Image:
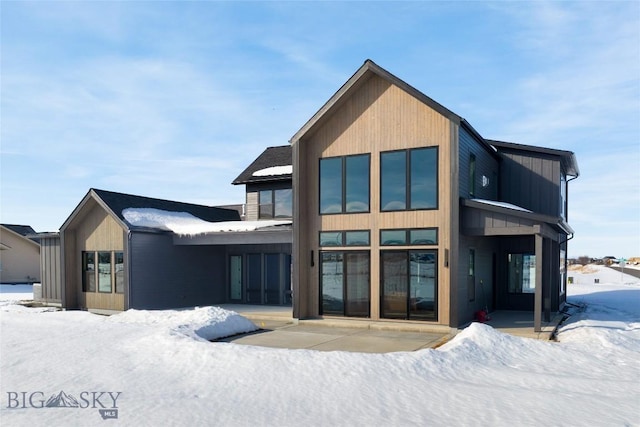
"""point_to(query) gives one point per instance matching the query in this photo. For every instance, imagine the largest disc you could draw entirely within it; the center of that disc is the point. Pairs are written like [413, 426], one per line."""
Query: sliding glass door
[344, 282]
[409, 284]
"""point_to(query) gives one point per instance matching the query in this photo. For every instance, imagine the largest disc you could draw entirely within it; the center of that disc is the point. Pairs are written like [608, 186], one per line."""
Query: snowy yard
[157, 368]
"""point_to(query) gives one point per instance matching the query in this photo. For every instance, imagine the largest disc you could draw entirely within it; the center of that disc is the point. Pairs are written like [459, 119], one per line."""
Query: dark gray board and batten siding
[487, 165]
[531, 181]
[189, 275]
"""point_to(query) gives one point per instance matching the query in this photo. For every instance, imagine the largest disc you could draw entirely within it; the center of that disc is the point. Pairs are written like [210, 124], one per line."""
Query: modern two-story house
[386, 205]
[402, 210]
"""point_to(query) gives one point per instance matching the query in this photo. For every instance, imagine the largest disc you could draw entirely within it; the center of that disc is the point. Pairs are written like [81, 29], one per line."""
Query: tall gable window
[409, 179]
[344, 184]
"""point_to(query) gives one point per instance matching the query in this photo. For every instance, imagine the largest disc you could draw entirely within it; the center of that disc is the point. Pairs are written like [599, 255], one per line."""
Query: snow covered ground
[157, 368]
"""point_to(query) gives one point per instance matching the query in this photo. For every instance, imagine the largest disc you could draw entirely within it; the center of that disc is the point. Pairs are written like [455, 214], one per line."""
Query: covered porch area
[529, 287]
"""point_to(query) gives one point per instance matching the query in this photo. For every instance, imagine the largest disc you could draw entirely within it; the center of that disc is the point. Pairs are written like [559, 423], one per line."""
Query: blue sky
[174, 99]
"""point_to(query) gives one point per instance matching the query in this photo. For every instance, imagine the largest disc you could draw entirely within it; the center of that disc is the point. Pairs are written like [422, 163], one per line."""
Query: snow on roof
[185, 224]
[501, 204]
[274, 170]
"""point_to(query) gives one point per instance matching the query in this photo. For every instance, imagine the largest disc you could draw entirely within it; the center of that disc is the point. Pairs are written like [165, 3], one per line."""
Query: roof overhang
[488, 218]
[272, 235]
[567, 158]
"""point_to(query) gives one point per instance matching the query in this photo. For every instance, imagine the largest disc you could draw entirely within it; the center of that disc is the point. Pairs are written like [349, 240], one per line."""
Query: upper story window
[472, 175]
[409, 179]
[275, 203]
[344, 184]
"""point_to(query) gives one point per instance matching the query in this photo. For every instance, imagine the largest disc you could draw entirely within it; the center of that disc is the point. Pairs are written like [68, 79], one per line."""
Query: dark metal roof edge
[267, 178]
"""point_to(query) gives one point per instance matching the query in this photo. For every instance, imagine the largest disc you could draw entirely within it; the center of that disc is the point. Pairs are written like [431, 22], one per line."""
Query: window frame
[344, 184]
[343, 240]
[344, 254]
[95, 273]
[519, 289]
[408, 178]
[407, 258]
[270, 209]
[407, 239]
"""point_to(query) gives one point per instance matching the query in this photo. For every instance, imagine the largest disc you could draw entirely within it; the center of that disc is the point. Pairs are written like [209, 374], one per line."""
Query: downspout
[566, 215]
[129, 270]
[566, 202]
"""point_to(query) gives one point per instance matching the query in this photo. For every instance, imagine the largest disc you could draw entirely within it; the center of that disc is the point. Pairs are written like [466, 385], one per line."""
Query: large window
[275, 203]
[409, 179]
[344, 282]
[344, 184]
[522, 273]
[409, 285]
[103, 271]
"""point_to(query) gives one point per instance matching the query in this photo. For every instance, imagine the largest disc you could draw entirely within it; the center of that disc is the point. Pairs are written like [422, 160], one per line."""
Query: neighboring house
[19, 254]
[121, 251]
[402, 210]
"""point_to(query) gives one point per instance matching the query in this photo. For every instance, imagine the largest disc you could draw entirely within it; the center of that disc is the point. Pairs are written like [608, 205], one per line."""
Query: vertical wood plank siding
[92, 230]
[377, 117]
[252, 206]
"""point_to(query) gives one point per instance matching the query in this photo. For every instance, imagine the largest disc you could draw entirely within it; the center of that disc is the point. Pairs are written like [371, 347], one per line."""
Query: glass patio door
[409, 285]
[345, 278]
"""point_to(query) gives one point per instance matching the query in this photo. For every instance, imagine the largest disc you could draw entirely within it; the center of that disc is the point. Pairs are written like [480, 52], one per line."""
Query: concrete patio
[278, 329]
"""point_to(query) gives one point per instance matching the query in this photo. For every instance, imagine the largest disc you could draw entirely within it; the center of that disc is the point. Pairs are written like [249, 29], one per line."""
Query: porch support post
[537, 307]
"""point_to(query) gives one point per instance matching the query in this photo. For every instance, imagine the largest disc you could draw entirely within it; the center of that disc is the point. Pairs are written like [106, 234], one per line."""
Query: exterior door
[409, 285]
[344, 279]
[260, 278]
